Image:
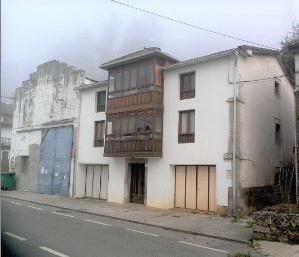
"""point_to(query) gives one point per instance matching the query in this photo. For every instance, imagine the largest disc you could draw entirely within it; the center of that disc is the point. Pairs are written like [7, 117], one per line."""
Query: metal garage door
[55, 161]
[96, 181]
[195, 187]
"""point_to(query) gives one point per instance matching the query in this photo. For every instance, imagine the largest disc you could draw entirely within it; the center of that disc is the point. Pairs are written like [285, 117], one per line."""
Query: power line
[262, 79]
[191, 25]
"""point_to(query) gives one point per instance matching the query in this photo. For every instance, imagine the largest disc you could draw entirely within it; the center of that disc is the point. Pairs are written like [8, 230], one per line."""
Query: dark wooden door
[137, 183]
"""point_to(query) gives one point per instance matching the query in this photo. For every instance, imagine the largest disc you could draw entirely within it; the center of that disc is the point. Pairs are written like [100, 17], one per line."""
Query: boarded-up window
[186, 126]
[187, 86]
[101, 101]
[99, 133]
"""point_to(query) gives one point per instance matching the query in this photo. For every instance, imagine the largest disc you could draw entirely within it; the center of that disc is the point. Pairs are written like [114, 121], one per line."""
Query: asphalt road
[37, 230]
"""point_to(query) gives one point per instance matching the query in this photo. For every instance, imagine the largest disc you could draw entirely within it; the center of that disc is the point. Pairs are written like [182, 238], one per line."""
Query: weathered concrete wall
[45, 100]
[27, 179]
[260, 153]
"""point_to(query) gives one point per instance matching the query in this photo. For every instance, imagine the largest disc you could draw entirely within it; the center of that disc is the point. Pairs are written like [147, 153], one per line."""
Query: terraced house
[195, 134]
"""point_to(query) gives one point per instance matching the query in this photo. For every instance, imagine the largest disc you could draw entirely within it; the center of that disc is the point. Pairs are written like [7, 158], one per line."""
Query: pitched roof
[213, 56]
[138, 55]
[92, 85]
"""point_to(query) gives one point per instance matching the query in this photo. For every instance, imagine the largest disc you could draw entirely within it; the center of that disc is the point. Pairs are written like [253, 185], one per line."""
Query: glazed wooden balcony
[141, 99]
[141, 146]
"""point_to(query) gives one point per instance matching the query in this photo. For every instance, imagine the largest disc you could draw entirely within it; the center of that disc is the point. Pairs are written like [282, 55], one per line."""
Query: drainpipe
[234, 179]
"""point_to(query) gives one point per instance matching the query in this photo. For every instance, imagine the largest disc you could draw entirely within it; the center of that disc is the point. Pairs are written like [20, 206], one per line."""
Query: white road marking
[15, 236]
[49, 250]
[18, 203]
[67, 215]
[97, 222]
[33, 207]
[204, 247]
[141, 232]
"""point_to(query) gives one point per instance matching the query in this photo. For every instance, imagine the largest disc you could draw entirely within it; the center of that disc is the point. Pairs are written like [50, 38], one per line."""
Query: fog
[86, 33]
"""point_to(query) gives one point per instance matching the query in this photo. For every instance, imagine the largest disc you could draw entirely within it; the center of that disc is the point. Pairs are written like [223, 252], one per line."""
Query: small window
[277, 88]
[186, 126]
[277, 131]
[187, 86]
[99, 133]
[101, 101]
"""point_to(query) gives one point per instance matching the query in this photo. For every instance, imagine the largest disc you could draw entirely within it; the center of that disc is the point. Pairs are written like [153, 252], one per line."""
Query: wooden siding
[133, 147]
[195, 187]
[128, 103]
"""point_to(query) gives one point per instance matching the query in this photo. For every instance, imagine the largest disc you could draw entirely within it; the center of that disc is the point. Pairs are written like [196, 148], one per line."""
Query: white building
[170, 128]
[45, 121]
[6, 114]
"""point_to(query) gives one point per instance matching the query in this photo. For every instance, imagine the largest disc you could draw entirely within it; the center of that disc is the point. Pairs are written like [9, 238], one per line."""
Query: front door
[137, 183]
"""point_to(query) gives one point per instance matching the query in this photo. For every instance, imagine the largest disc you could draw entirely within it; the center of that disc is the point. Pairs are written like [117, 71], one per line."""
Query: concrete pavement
[185, 221]
[38, 230]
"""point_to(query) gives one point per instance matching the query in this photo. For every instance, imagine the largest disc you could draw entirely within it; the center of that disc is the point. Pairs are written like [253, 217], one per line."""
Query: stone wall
[273, 226]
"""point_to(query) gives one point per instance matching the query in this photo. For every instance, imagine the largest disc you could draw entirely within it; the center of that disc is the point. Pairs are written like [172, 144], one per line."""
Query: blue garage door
[55, 161]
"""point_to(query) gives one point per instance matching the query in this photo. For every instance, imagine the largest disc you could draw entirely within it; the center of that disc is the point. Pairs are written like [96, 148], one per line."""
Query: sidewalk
[180, 220]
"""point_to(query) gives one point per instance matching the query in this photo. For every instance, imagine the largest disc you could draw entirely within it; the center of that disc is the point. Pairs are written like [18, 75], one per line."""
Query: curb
[135, 221]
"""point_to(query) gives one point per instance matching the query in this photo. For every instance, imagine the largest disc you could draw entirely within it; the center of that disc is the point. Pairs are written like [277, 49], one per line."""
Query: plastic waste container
[8, 180]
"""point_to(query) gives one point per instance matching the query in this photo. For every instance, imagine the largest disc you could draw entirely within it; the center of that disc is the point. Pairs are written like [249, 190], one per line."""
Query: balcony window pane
[111, 82]
[150, 74]
[142, 76]
[131, 125]
[109, 128]
[124, 125]
[126, 79]
[140, 124]
[148, 123]
[158, 124]
[116, 126]
[133, 78]
[118, 78]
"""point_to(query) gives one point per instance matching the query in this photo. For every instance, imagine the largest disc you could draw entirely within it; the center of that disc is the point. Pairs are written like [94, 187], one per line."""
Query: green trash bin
[8, 180]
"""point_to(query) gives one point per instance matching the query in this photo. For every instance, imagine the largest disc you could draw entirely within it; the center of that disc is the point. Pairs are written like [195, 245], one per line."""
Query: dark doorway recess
[137, 183]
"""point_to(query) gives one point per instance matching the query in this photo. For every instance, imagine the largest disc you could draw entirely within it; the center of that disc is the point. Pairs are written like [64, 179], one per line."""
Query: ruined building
[44, 130]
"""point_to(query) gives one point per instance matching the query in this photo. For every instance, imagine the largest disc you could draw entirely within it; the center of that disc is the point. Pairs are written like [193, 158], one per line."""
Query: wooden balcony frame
[150, 97]
[135, 143]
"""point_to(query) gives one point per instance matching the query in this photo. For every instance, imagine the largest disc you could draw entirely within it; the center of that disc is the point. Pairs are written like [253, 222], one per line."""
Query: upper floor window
[277, 88]
[131, 78]
[187, 85]
[101, 101]
[99, 133]
[186, 126]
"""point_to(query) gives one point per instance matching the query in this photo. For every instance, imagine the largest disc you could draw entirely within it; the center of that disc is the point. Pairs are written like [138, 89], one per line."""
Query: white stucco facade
[258, 109]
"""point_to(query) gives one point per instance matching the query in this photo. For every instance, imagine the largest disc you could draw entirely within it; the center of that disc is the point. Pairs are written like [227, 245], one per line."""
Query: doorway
[137, 184]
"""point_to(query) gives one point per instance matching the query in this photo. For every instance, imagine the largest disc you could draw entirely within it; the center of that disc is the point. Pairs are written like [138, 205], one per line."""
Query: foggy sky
[86, 33]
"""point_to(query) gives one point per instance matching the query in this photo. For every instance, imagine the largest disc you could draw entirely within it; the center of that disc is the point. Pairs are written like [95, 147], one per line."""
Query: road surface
[38, 230]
